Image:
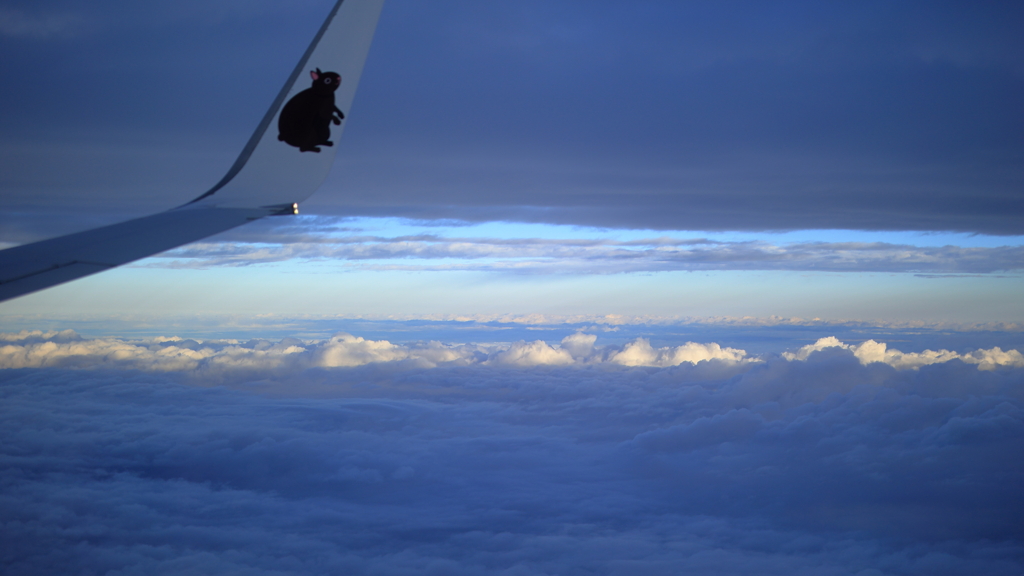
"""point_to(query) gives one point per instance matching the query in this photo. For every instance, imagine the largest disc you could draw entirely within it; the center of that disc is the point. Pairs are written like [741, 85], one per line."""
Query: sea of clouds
[66, 349]
[357, 456]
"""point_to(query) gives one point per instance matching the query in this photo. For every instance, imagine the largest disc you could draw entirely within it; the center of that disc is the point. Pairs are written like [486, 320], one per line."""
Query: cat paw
[327, 143]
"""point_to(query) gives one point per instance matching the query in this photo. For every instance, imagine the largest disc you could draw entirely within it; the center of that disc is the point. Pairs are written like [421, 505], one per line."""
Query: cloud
[598, 254]
[579, 345]
[536, 353]
[365, 461]
[66, 349]
[347, 350]
[871, 351]
[38, 336]
[640, 353]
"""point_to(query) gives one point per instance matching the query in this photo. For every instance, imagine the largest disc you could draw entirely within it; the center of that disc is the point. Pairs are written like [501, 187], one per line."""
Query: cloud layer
[524, 458]
[330, 240]
[870, 351]
[66, 349]
[35, 349]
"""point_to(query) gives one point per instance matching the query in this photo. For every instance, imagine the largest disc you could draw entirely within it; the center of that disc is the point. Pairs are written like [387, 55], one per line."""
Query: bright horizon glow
[511, 230]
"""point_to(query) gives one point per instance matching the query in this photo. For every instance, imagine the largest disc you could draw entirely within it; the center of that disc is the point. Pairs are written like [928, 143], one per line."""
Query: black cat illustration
[305, 121]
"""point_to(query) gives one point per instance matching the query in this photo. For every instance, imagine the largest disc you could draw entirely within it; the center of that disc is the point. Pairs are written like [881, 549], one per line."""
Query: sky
[593, 287]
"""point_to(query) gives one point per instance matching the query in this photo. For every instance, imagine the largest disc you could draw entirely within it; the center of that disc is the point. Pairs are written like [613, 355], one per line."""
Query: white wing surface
[284, 162]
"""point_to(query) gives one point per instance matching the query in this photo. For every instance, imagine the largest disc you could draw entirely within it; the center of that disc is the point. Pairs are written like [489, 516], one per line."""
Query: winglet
[277, 168]
[270, 170]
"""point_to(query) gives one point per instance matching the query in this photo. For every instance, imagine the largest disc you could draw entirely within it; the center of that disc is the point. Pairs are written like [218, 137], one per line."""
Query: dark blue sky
[704, 116]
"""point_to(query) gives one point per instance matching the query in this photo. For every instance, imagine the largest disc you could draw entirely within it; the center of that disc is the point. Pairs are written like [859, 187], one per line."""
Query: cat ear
[315, 75]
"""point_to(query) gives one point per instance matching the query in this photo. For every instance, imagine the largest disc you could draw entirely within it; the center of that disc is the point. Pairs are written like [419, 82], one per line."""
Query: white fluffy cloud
[66, 349]
[870, 351]
[640, 353]
[536, 353]
[579, 345]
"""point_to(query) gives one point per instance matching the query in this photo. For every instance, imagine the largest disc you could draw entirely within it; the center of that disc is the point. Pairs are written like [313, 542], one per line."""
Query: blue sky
[592, 288]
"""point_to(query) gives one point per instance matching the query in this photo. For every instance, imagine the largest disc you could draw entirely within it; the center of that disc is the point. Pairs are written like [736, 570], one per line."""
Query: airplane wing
[284, 162]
